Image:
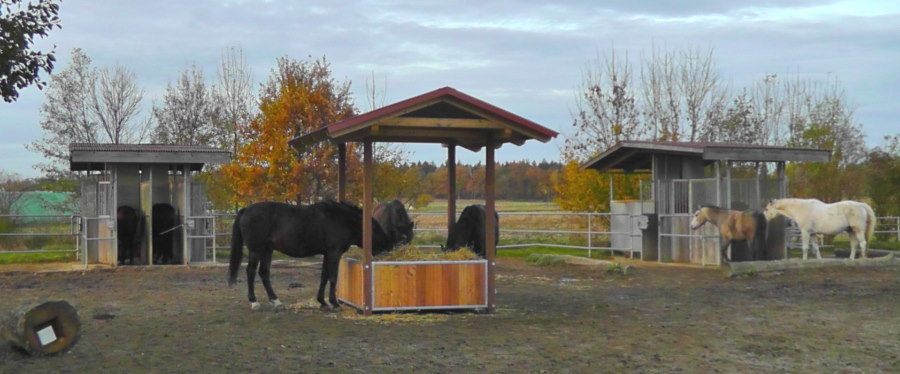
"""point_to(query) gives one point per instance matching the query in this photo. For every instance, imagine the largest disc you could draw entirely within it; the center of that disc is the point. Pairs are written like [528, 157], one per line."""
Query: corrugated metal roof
[106, 147]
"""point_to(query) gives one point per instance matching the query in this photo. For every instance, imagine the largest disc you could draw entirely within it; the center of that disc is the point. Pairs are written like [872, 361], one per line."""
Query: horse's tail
[759, 236]
[870, 222]
[237, 249]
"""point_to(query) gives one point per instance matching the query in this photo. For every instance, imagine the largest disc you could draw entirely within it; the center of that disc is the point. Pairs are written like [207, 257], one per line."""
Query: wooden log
[753, 267]
[45, 328]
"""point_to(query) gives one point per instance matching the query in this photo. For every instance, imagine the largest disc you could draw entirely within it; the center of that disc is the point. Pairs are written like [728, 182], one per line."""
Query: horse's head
[405, 233]
[771, 210]
[701, 216]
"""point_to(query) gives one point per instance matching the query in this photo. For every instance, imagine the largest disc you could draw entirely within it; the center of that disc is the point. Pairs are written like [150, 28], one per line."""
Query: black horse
[164, 223]
[129, 231]
[327, 228]
[395, 222]
[469, 230]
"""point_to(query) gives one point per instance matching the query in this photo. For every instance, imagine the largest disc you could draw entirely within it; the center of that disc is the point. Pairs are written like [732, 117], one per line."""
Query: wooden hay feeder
[443, 116]
[42, 329]
[415, 285]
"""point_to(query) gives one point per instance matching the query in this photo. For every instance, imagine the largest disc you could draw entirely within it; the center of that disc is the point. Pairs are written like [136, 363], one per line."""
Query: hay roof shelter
[686, 175]
[141, 176]
[443, 116]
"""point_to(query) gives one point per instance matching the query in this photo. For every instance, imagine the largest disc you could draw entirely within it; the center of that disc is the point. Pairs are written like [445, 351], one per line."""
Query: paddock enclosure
[687, 175]
[142, 176]
[661, 318]
[444, 116]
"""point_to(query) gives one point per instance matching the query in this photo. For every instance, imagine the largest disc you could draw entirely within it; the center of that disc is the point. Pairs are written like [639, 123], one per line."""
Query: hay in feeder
[410, 252]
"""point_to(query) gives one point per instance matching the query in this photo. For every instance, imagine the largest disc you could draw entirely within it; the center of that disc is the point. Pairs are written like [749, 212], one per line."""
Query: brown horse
[735, 225]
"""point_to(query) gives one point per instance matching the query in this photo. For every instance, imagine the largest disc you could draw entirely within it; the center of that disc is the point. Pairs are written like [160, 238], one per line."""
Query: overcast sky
[524, 56]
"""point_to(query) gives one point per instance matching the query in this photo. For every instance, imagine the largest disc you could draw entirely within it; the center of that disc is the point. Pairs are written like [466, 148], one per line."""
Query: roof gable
[445, 115]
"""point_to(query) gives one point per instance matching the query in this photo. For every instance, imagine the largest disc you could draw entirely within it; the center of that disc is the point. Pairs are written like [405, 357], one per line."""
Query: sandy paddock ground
[554, 319]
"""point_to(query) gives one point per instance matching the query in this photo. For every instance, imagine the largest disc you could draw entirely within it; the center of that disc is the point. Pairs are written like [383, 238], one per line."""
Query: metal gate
[98, 219]
[199, 224]
[678, 199]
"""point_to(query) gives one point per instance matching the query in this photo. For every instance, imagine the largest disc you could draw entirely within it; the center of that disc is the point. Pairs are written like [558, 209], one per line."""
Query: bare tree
[233, 96]
[79, 107]
[187, 111]
[605, 108]
[116, 100]
[682, 95]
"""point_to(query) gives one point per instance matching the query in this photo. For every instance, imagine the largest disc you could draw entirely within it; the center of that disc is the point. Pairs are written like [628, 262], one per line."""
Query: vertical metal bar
[84, 234]
[758, 188]
[451, 186]
[213, 221]
[611, 192]
[368, 171]
[589, 235]
[490, 245]
[342, 172]
[187, 181]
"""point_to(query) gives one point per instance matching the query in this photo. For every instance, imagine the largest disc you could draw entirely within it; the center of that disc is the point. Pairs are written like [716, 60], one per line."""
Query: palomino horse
[815, 217]
[735, 225]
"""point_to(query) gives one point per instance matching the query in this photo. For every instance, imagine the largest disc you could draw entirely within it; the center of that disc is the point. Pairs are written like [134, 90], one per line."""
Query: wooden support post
[728, 184]
[368, 171]
[490, 245]
[342, 172]
[782, 182]
[451, 188]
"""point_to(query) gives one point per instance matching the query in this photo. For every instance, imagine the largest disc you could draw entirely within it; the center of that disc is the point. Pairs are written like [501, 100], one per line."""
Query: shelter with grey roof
[141, 176]
[687, 175]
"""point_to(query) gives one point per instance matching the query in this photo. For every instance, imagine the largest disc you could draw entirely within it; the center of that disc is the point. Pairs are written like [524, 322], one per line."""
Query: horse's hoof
[277, 303]
[254, 305]
[325, 308]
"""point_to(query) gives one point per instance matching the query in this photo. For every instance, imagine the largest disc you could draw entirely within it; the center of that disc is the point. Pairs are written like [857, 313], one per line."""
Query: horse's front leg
[804, 242]
[333, 262]
[320, 296]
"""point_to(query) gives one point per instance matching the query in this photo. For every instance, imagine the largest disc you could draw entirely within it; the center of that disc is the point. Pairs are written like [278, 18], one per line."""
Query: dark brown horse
[326, 228]
[469, 230]
[395, 221]
[735, 225]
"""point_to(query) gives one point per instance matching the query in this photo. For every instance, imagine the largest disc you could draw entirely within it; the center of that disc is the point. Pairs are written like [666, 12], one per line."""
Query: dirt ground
[554, 319]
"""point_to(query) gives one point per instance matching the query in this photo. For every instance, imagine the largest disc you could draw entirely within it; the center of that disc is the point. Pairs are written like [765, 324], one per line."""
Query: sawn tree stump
[44, 328]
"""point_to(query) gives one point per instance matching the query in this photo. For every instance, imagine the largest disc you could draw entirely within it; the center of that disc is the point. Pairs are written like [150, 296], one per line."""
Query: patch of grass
[24, 258]
[892, 245]
[542, 259]
[502, 205]
[527, 251]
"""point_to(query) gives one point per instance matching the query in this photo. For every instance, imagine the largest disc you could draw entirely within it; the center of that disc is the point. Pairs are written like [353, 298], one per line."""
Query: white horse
[816, 217]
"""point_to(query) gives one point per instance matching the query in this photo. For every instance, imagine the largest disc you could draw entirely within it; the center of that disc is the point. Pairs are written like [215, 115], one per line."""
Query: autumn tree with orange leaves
[300, 96]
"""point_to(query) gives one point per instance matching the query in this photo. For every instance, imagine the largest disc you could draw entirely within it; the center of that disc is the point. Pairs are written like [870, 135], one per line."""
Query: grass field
[502, 206]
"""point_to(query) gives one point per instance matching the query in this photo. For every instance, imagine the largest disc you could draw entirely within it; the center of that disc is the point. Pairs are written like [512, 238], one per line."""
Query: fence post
[589, 234]
[214, 236]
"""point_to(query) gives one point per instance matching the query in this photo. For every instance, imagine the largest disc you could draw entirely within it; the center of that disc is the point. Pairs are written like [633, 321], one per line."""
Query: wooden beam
[425, 122]
[519, 129]
[490, 246]
[342, 171]
[368, 171]
[451, 186]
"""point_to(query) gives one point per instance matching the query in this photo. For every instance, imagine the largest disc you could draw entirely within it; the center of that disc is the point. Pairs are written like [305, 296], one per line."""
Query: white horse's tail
[870, 222]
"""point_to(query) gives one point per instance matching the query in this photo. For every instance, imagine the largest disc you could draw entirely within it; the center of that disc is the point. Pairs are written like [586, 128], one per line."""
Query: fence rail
[37, 234]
